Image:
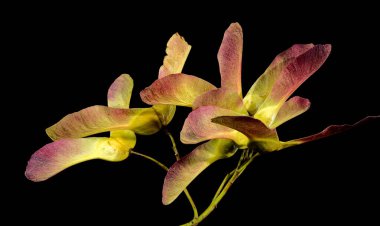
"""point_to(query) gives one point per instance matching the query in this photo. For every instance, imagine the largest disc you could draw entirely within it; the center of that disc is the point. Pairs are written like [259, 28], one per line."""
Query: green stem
[166, 169]
[174, 146]
[177, 157]
[242, 165]
[151, 159]
[228, 176]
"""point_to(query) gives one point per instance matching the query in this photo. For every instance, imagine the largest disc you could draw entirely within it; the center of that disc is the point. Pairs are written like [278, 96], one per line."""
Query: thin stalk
[151, 159]
[228, 176]
[166, 169]
[235, 174]
[174, 146]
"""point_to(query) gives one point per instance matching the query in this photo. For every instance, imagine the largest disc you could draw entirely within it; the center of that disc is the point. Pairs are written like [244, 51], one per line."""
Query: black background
[63, 59]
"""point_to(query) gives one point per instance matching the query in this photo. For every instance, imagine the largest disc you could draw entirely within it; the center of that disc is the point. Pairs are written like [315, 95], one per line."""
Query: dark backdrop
[64, 58]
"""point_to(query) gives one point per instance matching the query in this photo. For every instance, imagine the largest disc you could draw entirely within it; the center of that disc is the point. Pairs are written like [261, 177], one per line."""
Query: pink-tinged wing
[177, 51]
[291, 74]
[331, 130]
[59, 155]
[176, 89]
[221, 97]
[266, 139]
[119, 93]
[98, 119]
[294, 51]
[263, 85]
[119, 96]
[230, 58]
[198, 127]
[184, 171]
[291, 109]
